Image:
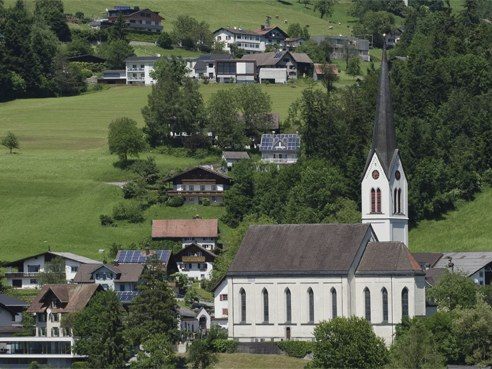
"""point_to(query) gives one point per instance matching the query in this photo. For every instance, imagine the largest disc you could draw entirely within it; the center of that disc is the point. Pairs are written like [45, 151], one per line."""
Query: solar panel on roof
[126, 296]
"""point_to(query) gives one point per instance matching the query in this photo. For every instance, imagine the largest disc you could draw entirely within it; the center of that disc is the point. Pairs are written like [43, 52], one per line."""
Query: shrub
[133, 189]
[79, 365]
[224, 345]
[175, 201]
[131, 212]
[106, 220]
[297, 349]
[205, 201]
[353, 67]
[165, 41]
[147, 169]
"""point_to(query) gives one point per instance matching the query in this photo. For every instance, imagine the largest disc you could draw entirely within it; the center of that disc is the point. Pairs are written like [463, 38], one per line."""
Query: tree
[10, 141]
[330, 76]
[118, 30]
[239, 198]
[454, 290]
[201, 355]
[154, 310]
[115, 52]
[78, 46]
[318, 52]
[353, 67]
[224, 122]
[347, 343]
[54, 272]
[375, 24]
[44, 45]
[190, 34]
[236, 51]
[51, 12]
[254, 105]
[68, 79]
[324, 7]
[125, 138]
[165, 41]
[156, 352]
[296, 30]
[101, 322]
[416, 349]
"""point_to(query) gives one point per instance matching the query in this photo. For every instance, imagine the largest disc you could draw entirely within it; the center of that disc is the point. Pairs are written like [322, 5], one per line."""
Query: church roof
[388, 257]
[384, 139]
[294, 249]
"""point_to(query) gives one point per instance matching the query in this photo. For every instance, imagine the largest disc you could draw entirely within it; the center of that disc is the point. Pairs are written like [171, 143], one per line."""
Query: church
[287, 278]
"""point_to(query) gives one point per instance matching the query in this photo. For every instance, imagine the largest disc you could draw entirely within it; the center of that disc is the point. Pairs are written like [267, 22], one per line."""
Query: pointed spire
[384, 140]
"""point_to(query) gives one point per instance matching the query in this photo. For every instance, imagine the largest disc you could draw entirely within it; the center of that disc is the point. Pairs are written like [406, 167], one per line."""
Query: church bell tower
[384, 185]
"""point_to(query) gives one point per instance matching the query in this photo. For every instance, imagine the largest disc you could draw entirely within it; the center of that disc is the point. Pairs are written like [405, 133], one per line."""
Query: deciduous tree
[10, 141]
[125, 138]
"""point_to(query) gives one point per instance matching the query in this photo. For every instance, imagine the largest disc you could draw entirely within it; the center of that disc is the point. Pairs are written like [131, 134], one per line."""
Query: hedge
[224, 345]
[297, 349]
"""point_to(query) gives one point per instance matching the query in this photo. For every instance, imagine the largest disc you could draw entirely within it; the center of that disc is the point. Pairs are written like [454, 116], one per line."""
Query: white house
[195, 262]
[280, 148]
[231, 157]
[251, 41]
[117, 277]
[24, 273]
[202, 232]
[139, 69]
[221, 304]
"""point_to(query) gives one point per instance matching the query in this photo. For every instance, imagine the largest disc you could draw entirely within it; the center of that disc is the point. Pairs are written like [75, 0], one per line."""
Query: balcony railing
[136, 69]
[193, 259]
[21, 274]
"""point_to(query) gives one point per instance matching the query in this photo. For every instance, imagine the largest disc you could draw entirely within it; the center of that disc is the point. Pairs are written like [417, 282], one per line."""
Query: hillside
[220, 13]
[469, 228]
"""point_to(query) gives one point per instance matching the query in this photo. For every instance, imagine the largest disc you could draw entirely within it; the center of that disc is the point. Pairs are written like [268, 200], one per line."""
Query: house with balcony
[202, 232]
[136, 19]
[199, 183]
[114, 277]
[341, 45]
[235, 71]
[251, 41]
[195, 262]
[52, 344]
[24, 273]
[280, 149]
[127, 257]
[11, 315]
[138, 70]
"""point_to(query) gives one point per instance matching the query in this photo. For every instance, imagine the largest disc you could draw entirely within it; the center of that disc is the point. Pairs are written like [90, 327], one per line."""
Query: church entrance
[287, 333]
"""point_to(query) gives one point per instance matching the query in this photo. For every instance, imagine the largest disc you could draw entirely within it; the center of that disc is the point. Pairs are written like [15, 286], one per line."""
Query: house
[231, 157]
[23, 273]
[280, 149]
[221, 303]
[114, 277]
[251, 41]
[124, 257]
[195, 262]
[136, 19]
[319, 70]
[139, 69]
[346, 44]
[203, 67]
[235, 71]
[476, 265]
[199, 183]
[293, 42]
[11, 315]
[295, 65]
[113, 77]
[287, 278]
[202, 232]
[52, 344]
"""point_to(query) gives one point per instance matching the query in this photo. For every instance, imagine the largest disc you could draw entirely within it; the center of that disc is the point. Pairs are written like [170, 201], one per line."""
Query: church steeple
[384, 186]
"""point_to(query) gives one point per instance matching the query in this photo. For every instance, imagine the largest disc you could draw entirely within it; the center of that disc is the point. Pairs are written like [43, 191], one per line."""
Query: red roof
[179, 228]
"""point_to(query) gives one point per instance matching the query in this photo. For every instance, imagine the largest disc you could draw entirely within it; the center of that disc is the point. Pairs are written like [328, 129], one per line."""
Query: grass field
[54, 189]
[252, 361]
[469, 228]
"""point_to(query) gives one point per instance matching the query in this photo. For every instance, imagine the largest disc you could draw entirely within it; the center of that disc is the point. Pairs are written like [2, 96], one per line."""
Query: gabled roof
[65, 255]
[465, 262]
[257, 32]
[124, 272]
[179, 228]
[388, 258]
[384, 139]
[299, 249]
[140, 256]
[235, 155]
[280, 142]
[273, 58]
[202, 168]
[75, 296]
[195, 246]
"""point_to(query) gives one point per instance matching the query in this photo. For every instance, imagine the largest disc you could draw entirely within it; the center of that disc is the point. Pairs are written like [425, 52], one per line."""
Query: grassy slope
[469, 228]
[52, 192]
[220, 13]
[252, 361]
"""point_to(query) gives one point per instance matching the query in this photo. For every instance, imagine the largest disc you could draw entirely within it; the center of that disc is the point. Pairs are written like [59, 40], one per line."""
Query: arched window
[395, 201]
[242, 293]
[399, 201]
[265, 306]
[333, 303]
[404, 302]
[384, 295]
[378, 201]
[373, 200]
[288, 306]
[367, 303]
[311, 304]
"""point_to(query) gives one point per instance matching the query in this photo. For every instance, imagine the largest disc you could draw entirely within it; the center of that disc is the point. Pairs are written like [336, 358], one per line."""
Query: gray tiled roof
[466, 262]
[235, 155]
[10, 301]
